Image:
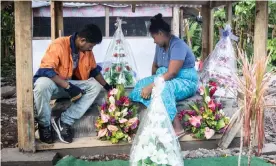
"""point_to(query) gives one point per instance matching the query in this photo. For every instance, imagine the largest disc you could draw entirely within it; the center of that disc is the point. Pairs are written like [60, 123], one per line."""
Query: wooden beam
[211, 31]
[95, 142]
[205, 11]
[107, 21]
[175, 21]
[260, 29]
[133, 7]
[181, 23]
[56, 19]
[143, 1]
[229, 12]
[24, 75]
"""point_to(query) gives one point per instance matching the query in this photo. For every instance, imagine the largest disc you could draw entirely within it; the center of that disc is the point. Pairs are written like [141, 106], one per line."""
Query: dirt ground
[8, 126]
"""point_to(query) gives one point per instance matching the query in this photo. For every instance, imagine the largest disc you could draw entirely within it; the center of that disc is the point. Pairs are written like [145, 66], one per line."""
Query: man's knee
[43, 84]
[94, 86]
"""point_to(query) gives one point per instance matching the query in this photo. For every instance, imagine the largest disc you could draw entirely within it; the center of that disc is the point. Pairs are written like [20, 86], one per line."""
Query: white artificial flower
[112, 100]
[167, 138]
[160, 132]
[221, 111]
[124, 112]
[139, 154]
[207, 99]
[114, 91]
[149, 150]
[160, 157]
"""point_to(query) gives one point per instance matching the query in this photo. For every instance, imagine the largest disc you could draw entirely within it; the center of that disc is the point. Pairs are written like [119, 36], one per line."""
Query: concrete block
[269, 149]
[12, 157]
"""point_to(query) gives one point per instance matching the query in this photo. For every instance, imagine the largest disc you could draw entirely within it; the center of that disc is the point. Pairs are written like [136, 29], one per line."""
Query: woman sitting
[175, 62]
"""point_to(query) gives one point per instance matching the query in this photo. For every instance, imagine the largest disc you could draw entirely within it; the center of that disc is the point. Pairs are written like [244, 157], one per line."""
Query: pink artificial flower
[209, 132]
[123, 120]
[104, 117]
[106, 69]
[133, 121]
[112, 128]
[102, 133]
[201, 90]
[112, 108]
[114, 91]
[195, 120]
[212, 105]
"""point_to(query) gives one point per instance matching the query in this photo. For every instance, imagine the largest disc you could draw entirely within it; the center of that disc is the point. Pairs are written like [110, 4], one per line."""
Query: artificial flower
[114, 91]
[208, 132]
[111, 100]
[102, 133]
[104, 117]
[207, 99]
[123, 120]
[112, 108]
[194, 120]
[112, 128]
[212, 105]
[201, 90]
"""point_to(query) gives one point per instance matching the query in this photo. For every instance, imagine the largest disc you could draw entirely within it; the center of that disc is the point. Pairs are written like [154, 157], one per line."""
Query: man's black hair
[91, 33]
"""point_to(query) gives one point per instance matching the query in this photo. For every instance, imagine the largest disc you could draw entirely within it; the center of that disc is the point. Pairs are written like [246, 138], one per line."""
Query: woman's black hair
[158, 24]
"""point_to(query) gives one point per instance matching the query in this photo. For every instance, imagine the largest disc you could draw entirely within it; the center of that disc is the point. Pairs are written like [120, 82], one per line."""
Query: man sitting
[64, 72]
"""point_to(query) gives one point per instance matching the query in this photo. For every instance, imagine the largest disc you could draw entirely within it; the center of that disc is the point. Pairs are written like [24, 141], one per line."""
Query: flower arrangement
[118, 117]
[207, 117]
[119, 73]
[155, 143]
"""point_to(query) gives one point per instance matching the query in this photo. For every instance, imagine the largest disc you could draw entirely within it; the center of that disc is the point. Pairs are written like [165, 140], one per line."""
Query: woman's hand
[146, 91]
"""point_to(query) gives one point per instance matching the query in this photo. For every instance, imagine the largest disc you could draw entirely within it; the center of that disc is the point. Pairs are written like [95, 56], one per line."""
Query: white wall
[143, 49]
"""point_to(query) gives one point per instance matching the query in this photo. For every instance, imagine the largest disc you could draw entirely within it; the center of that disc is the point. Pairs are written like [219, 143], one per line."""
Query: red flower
[118, 68]
[212, 105]
[118, 41]
[128, 68]
[212, 84]
[212, 91]
[125, 100]
[106, 69]
[115, 55]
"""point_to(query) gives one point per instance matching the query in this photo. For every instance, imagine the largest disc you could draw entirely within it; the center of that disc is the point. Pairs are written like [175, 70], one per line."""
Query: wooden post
[260, 30]
[205, 10]
[175, 21]
[181, 22]
[211, 31]
[229, 12]
[133, 7]
[56, 19]
[107, 21]
[24, 75]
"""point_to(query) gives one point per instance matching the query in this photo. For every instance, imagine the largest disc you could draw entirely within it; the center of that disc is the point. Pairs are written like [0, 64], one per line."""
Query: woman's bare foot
[178, 129]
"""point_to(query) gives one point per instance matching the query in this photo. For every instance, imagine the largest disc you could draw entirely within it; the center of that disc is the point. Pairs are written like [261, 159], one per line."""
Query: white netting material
[155, 142]
[119, 66]
[221, 65]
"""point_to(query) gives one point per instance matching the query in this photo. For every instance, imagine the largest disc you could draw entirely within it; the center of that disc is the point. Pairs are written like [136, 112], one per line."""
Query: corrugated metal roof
[37, 4]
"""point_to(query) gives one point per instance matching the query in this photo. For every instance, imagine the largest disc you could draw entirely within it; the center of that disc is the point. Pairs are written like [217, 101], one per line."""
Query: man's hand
[146, 92]
[74, 92]
[108, 87]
